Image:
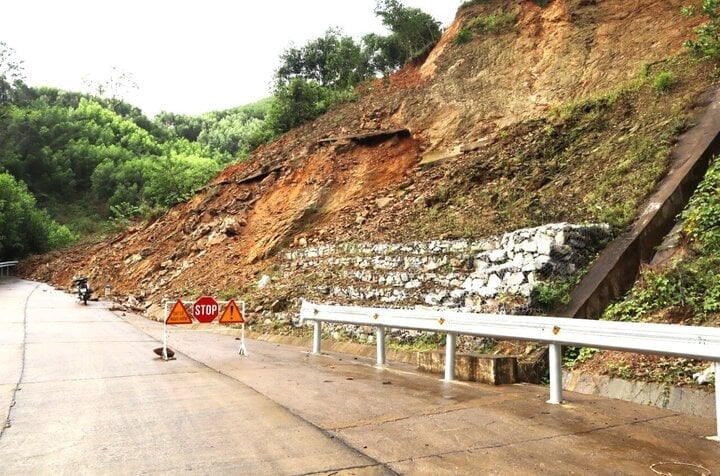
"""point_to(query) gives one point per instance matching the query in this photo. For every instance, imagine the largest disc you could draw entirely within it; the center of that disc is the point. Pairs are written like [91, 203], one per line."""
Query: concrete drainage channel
[617, 267]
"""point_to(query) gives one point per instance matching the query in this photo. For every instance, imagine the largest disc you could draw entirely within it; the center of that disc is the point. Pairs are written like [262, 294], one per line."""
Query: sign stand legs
[164, 355]
[165, 336]
[164, 352]
[242, 350]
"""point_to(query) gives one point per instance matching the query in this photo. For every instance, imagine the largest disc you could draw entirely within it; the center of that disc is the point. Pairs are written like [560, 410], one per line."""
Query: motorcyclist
[83, 288]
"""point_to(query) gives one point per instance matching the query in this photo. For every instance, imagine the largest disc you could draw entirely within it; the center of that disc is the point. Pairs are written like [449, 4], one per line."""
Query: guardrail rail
[693, 342]
[6, 267]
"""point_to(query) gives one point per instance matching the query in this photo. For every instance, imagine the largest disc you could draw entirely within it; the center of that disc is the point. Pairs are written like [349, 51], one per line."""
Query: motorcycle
[83, 289]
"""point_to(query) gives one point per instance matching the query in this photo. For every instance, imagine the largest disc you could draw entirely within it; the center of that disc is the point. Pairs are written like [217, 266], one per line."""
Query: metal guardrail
[6, 267]
[647, 338]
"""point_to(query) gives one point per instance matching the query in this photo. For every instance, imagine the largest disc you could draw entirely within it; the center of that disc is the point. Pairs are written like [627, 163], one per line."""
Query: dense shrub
[25, 229]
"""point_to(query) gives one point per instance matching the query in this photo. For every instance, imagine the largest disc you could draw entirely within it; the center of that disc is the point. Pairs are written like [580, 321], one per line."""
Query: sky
[186, 57]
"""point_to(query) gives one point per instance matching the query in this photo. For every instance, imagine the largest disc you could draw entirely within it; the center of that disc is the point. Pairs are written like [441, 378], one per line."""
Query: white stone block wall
[465, 274]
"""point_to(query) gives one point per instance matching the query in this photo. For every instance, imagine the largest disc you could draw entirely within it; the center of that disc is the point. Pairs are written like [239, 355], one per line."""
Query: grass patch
[664, 82]
[494, 23]
[464, 35]
[551, 294]
[421, 342]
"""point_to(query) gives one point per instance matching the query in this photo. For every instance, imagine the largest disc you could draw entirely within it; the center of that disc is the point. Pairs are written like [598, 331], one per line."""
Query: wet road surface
[84, 393]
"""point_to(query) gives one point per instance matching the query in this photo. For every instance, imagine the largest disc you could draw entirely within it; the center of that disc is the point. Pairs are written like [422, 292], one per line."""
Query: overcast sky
[186, 56]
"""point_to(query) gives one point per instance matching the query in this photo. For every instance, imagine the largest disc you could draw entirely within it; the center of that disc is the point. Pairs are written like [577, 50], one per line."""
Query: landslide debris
[554, 118]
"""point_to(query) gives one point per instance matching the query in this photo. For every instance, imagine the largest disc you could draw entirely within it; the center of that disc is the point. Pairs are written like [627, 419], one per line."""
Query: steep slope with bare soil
[553, 117]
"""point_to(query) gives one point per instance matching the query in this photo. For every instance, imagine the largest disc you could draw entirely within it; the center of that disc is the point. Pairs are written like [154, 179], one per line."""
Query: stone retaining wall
[475, 276]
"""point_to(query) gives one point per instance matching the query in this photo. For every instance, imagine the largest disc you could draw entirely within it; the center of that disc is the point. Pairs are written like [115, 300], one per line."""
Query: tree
[181, 125]
[385, 53]
[25, 229]
[175, 179]
[118, 84]
[325, 71]
[11, 74]
[412, 32]
[298, 102]
[334, 61]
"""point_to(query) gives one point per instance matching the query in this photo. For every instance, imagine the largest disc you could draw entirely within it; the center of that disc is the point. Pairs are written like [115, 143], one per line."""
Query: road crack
[13, 401]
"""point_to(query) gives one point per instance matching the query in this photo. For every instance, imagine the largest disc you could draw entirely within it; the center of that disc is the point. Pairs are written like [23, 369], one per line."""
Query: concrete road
[83, 393]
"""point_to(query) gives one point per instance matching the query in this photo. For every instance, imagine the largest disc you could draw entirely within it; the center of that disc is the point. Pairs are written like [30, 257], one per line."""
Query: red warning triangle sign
[178, 314]
[231, 314]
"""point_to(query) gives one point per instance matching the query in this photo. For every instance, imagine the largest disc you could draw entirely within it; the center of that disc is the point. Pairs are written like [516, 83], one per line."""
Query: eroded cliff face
[470, 141]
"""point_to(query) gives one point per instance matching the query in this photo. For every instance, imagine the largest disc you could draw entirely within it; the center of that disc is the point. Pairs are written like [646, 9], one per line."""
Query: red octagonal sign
[205, 309]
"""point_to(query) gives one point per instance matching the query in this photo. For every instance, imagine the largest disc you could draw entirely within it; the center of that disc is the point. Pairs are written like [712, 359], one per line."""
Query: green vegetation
[232, 133]
[548, 295]
[25, 229]
[702, 216]
[325, 71]
[227, 294]
[541, 3]
[301, 101]
[72, 148]
[664, 82]
[573, 356]
[11, 74]
[688, 289]
[464, 35]
[494, 23]
[421, 342]
[707, 44]
[669, 371]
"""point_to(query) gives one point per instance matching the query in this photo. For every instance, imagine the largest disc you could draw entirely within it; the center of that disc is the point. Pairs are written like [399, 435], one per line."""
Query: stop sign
[205, 309]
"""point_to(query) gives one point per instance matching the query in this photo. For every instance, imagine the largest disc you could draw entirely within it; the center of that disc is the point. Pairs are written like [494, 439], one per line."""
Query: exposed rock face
[477, 276]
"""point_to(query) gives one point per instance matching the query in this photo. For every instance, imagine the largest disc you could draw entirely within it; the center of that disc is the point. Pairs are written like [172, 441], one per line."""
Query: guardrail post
[717, 400]
[555, 374]
[316, 337]
[380, 343]
[450, 356]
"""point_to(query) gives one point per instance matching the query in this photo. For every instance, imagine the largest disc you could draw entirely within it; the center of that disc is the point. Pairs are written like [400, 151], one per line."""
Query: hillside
[557, 115]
